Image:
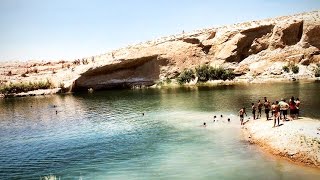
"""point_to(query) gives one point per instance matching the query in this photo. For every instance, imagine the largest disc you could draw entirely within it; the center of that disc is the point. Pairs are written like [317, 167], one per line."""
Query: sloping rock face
[255, 50]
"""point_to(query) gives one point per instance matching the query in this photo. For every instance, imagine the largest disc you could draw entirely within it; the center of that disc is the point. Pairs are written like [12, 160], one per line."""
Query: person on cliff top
[276, 113]
[283, 109]
[267, 107]
[297, 107]
[253, 107]
[292, 107]
[241, 114]
[259, 109]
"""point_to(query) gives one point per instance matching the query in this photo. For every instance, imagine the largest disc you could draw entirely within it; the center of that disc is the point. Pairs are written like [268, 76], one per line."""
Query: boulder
[305, 62]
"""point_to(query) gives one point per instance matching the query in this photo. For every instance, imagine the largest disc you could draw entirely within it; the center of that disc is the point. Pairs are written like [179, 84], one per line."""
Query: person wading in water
[241, 114]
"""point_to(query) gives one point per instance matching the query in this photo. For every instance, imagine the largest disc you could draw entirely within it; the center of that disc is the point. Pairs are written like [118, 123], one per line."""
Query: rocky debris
[295, 58]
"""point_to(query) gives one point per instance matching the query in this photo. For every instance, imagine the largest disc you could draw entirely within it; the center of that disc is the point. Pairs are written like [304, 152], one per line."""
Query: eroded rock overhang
[128, 73]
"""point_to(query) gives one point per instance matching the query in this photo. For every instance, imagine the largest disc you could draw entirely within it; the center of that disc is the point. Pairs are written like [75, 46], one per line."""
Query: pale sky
[69, 29]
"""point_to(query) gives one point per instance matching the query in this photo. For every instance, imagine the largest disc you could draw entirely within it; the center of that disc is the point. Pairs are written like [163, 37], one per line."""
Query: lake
[144, 134]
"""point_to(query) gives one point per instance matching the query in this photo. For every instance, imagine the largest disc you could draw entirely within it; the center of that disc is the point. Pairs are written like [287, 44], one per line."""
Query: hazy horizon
[55, 30]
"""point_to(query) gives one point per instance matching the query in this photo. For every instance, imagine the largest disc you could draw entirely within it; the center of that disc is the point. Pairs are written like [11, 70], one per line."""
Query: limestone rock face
[312, 36]
[286, 34]
[256, 49]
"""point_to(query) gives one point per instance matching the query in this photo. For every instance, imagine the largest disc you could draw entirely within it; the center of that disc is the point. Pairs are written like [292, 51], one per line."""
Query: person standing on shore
[292, 107]
[267, 108]
[297, 107]
[259, 109]
[275, 109]
[253, 107]
[241, 114]
[283, 109]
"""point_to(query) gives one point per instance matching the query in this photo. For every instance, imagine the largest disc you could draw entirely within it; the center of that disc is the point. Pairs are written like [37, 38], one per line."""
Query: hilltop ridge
[255, 51]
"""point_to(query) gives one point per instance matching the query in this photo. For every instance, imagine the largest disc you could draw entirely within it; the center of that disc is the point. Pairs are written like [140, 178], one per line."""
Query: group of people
[279, 110]
[215, 119]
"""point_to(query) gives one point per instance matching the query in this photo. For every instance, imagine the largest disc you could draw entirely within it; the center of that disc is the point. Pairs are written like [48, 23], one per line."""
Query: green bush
[24, 87]
[286, 68]
[228, 75]
[186, 76]
[295, 69]
[216, 73]
[317, 72]
[203, 73]
[206, 73]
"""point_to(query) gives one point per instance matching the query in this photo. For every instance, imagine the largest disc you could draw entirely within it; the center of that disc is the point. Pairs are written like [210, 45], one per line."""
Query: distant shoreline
[171, 85]
[297, 140]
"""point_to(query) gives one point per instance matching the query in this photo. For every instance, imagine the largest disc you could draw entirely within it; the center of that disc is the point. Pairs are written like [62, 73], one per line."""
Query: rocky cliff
[256, 51]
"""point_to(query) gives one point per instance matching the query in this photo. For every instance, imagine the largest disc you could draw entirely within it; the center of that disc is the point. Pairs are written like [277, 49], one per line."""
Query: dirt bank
[297, 140]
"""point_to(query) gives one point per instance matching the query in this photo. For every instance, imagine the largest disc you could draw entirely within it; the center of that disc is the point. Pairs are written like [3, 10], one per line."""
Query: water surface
[105, 136]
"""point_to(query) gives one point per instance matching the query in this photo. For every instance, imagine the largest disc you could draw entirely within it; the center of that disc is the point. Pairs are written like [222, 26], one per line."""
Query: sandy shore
[297, 140]
[33, 93]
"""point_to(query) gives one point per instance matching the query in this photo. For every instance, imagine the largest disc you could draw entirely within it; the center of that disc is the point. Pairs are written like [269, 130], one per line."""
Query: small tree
[228, 74]
[285, 69]
[186, 76]
[203, 73]
[317, 72]
[295, 69]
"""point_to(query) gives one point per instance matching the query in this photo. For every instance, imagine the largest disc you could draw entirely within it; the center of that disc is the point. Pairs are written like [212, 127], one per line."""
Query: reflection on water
[105, 136]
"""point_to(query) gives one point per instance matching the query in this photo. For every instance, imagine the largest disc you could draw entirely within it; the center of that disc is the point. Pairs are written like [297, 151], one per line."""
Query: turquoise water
[105, 136]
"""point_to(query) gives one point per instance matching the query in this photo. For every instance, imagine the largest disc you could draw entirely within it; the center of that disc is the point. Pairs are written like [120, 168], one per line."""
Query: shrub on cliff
[317, 72]
[285, 69]
[295, 69]
[186, 76]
